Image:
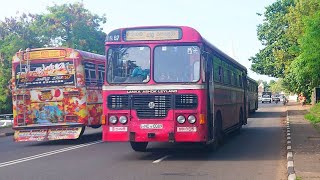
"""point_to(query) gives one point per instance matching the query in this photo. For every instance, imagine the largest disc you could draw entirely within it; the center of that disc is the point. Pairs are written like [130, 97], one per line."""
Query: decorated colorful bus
[252, 95]
[56, 92]
[169, 84]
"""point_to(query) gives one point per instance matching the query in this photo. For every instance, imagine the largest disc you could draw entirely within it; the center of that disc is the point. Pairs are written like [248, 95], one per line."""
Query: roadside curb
[6, 134]
[290, 165]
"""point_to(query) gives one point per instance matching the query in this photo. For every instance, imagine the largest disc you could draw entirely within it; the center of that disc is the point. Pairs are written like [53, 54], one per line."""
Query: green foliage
[314, 114]
[73, 26]
[276, 86]
[291, 36]
[272, 60]
[69, 25]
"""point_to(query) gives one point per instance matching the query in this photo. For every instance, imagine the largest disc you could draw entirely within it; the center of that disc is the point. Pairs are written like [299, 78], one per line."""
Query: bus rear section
[51, 100]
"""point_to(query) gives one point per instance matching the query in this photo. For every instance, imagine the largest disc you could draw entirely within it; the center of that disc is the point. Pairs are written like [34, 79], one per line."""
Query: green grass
[314, 114]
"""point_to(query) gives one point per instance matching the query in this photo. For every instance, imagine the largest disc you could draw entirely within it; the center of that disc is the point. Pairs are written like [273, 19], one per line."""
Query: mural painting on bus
[94, 106]
[76, 105]
[46, 113]
[20, 105]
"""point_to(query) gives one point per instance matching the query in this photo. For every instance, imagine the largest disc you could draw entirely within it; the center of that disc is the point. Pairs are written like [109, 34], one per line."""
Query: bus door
[210, 93]
[245, 96]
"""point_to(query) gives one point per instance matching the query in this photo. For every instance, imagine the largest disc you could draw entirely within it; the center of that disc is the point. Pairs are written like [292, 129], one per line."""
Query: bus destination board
[152, 34]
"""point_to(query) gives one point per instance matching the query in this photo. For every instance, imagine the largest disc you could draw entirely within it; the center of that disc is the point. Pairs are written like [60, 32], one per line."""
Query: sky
[230, 25]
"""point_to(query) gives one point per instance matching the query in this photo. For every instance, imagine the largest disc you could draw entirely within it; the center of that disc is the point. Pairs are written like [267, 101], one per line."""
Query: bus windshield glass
[180, 64]
[128, 64]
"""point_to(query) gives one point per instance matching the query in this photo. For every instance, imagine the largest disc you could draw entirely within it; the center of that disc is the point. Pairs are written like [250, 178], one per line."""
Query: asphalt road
[258, 152]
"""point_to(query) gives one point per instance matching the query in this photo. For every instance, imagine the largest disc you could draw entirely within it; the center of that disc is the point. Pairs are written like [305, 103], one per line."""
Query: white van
[6, 120]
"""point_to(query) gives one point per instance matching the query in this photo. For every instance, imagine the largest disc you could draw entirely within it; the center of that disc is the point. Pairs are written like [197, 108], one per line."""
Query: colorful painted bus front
[56, 92]
[168, 84]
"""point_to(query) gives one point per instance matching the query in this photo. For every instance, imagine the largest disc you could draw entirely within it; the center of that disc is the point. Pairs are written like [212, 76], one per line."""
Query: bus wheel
[240, 121]
[95, 126]
[218, 134]
[139, 146]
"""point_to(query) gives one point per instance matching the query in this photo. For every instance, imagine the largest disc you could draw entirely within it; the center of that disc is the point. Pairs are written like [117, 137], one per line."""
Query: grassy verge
[314, 115]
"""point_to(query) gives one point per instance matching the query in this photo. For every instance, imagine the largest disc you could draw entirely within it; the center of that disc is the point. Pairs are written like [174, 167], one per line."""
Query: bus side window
[240, 81]
[101, 74]
[220, 74]
[91, 73]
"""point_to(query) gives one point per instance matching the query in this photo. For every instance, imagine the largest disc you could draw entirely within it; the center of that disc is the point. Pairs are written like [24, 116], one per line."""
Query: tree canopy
[290, 34]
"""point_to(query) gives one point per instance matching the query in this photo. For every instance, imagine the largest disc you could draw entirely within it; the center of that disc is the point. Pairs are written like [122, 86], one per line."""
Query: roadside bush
[314, 114]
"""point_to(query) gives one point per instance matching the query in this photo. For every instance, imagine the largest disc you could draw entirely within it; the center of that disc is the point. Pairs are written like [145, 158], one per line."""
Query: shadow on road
[254, 143]
[86, 138]
[260, 114]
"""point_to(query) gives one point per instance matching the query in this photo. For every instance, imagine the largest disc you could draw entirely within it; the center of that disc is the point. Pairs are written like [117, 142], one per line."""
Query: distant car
[5, 123]
[6, 120]
[266, 98]
[259, 98]
[276, 98]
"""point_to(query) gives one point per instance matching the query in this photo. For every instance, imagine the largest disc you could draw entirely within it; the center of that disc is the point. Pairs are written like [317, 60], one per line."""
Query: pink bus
[169, 84]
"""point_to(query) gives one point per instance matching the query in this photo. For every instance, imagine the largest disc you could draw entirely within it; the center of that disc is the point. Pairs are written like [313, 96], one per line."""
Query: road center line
[8, 163]
[161, 159]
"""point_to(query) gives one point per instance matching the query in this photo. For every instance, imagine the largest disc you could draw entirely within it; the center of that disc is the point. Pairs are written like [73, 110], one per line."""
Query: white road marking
[161, 159]
[8, 163]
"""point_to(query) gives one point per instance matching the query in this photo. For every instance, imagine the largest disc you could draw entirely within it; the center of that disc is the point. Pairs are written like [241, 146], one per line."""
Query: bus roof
[53, 52]
[177, 34]
[250, 79]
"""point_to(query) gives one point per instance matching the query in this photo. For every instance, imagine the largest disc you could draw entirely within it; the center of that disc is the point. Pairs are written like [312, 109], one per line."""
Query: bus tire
[139, 146]
[218, 134]
[95, 126]
[240, 121]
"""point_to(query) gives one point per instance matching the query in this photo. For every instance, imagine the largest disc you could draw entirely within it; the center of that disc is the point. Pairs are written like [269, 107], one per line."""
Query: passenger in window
[144, 73]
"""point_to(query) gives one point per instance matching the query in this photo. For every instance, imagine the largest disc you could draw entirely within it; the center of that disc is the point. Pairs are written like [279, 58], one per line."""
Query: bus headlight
[113, 119]
[181, 119]
[123, 119]
[192, 119]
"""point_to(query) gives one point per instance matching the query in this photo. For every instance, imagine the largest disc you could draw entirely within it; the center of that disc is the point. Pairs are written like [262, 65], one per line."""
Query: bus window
[90, 72]
[196, 68]
[128, 65]
[100, 74]
[167, 59]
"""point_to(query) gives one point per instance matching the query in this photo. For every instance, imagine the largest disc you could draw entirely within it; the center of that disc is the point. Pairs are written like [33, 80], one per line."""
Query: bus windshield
[128, 64]
[177, 64]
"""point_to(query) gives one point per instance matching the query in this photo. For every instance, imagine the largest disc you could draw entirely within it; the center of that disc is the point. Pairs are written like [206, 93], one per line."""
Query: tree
[272, 59]
[73, 26]
[15, 34]
[276, 86]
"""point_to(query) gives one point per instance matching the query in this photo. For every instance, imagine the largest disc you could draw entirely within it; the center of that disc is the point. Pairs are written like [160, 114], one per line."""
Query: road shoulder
[305, 144]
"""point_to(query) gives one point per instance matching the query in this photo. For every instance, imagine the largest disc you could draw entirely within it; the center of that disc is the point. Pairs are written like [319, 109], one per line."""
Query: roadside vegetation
[290, 35]
[314, 114]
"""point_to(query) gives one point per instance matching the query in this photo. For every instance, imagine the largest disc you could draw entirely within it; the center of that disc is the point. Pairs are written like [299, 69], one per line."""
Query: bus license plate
[151, 126]
[186, 129]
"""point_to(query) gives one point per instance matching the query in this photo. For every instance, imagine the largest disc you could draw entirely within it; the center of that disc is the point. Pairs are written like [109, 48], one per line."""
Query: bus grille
[118, 102]
[186, 101]
[151, 106]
